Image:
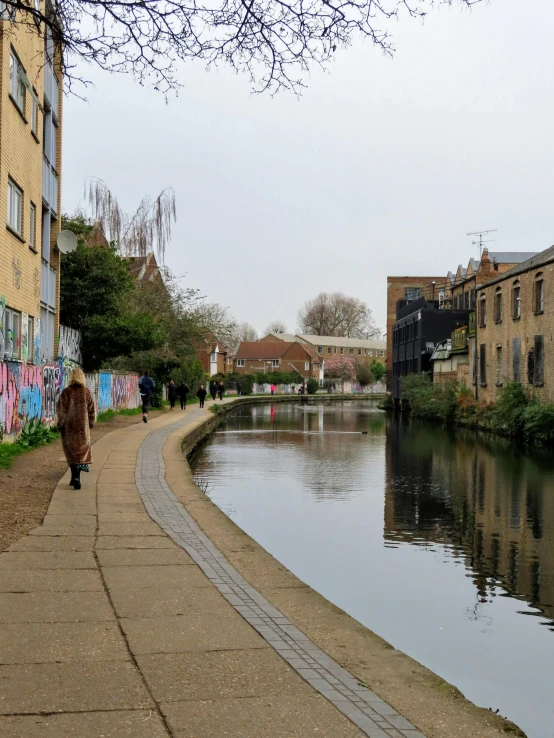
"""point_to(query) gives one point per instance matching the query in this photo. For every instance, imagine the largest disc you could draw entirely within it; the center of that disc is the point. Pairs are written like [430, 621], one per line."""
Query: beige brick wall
[21, 155]
[500, 335]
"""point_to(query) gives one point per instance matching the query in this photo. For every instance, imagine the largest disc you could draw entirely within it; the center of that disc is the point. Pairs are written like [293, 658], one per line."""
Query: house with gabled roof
[278, 356]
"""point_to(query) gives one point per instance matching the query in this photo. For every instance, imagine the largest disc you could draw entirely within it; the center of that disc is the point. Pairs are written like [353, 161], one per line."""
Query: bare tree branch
[275, 42]
[337, 315]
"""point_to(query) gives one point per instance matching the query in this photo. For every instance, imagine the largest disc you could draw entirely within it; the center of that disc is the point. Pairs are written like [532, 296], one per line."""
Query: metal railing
[51, 88]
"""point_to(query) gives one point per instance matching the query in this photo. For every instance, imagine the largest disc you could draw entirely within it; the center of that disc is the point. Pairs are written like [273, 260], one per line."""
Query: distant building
[420, 326]
[214, 355]
[514, 327]
[361, 350]
[408, 289]
[277, 356]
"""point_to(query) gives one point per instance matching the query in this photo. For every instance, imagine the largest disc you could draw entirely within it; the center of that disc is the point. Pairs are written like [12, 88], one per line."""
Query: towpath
[120, 619]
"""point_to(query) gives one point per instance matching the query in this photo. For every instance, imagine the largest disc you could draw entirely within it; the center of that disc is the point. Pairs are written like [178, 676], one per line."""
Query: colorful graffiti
[36, 341]
[31, 392]
[69, 344]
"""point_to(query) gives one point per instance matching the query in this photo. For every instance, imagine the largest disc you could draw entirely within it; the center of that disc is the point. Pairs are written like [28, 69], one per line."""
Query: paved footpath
[120, 619]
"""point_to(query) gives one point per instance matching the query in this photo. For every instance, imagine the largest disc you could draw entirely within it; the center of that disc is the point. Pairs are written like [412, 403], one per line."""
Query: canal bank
[424, 699]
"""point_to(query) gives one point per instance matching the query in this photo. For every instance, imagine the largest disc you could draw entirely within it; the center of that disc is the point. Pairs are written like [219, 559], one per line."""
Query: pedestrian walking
[239, 389]
[183, 390]
[272, 389]
[221, 390]
[172, 394]
[201, 394]
[213, 389]
[76, 416]
[146, 386]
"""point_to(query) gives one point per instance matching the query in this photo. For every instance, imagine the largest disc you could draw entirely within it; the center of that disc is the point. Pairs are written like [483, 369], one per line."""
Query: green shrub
[378, 370]
[428, 401]
[312, 386]
[537, 423]
[507, 414]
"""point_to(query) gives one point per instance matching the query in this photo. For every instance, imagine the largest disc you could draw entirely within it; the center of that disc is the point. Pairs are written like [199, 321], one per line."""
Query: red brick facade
[277, 356]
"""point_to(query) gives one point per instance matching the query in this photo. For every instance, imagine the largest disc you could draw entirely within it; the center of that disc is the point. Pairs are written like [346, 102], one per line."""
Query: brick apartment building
[409, 289]
[30, 188]
[277, 356]
[514, 329]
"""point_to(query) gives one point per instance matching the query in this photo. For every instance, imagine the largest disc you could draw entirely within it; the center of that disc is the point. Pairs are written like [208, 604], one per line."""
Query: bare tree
[335, 314]
[275, 42]
[243, 332]
[276, 326]
[147, 229]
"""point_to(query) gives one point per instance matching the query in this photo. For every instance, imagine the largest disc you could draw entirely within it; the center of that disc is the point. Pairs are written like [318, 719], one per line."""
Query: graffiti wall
[30, 393]
[346, 388]
[69, 344]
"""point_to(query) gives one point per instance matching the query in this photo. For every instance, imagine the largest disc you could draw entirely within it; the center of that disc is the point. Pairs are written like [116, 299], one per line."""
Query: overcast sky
[381, 168]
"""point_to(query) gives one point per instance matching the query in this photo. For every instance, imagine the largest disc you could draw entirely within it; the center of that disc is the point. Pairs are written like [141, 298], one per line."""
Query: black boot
[77, 479]
[74, 474]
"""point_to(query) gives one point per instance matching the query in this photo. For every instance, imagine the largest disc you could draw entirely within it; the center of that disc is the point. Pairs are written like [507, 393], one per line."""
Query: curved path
[121, 619]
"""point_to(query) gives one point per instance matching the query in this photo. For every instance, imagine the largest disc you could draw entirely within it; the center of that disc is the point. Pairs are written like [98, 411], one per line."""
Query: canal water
[441, 542]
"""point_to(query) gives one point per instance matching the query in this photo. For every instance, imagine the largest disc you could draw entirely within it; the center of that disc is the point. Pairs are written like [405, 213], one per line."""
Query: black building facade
[419, 326]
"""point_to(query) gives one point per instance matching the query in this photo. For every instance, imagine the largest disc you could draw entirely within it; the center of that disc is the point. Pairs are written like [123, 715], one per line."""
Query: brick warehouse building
[406, 288]
[30, 188]
[277, 356]
[514, 333]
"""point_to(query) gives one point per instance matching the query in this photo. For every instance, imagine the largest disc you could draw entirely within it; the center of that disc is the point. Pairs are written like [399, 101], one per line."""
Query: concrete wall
[30, 392]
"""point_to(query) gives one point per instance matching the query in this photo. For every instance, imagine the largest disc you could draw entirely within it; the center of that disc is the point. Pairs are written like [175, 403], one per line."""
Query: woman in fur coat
[76, 416]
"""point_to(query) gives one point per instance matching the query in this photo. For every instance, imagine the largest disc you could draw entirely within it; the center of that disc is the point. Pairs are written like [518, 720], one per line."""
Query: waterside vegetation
[516, 414]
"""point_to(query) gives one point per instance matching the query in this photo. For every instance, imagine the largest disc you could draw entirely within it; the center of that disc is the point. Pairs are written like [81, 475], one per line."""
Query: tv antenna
[480, 242]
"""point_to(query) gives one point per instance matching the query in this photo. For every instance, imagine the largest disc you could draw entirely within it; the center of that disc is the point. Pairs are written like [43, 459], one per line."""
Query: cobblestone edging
[365, 709]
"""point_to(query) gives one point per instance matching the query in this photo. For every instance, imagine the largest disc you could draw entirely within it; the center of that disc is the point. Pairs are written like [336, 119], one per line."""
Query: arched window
[498, 305]
[516, 300]
[538, 294]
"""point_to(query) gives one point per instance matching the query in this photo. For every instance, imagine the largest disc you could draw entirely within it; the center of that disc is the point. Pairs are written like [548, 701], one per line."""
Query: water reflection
[438, 541]
[492, 506]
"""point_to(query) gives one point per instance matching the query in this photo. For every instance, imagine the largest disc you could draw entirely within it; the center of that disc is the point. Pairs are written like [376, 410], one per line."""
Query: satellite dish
[67, 242]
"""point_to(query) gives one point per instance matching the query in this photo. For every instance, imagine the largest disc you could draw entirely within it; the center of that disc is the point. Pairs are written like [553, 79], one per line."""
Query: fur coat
[76, 417]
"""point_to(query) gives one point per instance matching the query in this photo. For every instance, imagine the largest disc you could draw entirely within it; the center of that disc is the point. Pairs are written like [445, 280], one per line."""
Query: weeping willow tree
[146, 230]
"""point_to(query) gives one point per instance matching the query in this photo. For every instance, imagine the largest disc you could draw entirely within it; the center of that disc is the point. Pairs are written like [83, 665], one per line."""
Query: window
[17, 86]
[441, 298]
[483, 364]
[15, 206]
[341, 351]
[365, 352]
[240, 362]
[382, 354]
[306, 365]
[472, 300]
[351, 351]
[335, 349]
[455, 303]
[30, 339]
[213, 356]
[320, 349]
[416, 329]
[538, 374]
[482, 312]
[516, 301]
[499, 366]
[371, 352]
[498, 306]
[275, 363]
[32, 226]
[11, 328]
[34, 113]
[412, 293]
[516, 359]
[466, 300]
[329, 349]
[538, 293]
[359, 352]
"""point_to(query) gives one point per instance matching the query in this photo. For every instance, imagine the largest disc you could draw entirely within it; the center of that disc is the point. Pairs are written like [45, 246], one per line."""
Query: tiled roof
[289, 337]
[511, 257]
[536, 261]
[260, 350]
[340, 341]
